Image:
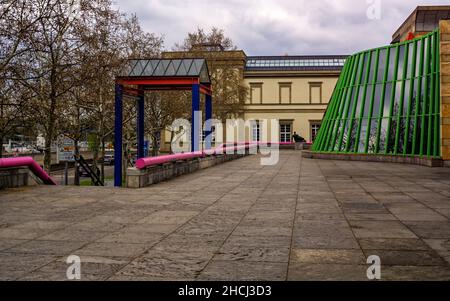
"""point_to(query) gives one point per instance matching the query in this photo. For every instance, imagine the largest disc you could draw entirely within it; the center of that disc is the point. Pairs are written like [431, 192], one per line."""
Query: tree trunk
[1, 146]
[102, 166]
[155, 149]
[124, 160]
[77, 174]
[172, 134]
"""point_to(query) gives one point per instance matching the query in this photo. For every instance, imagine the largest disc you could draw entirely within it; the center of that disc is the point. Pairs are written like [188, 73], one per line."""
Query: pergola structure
[160, 74]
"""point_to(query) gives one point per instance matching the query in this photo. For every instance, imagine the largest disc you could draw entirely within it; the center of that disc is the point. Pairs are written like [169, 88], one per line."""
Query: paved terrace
[299, 220]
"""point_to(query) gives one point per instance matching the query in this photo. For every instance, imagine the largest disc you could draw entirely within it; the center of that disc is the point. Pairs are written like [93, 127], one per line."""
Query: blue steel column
[208, 117]
[118, 137]
[195, 129]
[140, 125]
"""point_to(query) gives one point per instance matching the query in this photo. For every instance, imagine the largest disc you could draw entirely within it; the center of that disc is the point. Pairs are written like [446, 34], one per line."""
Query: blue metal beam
[140, 125]
[118, 136]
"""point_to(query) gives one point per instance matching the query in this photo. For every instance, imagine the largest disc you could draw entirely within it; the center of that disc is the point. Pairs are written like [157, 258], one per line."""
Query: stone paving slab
[301, 219]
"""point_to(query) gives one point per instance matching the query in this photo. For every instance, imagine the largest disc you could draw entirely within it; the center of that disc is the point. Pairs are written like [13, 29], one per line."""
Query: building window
[256, 133]
[315, 127]
[285, 92]
[315, 92]
[256, 94]
[286, 132]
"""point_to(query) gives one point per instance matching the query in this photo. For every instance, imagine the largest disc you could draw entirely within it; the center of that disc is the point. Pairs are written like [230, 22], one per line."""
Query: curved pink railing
[32, 166]
[221, 149]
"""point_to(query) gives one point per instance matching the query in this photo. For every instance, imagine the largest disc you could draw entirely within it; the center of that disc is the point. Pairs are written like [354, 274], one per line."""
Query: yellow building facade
[295, 90]
[292, 89]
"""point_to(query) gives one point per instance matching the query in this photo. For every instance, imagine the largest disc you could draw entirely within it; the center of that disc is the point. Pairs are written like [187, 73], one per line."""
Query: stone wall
[444, 26]
[142, 178]
[417, 160]
[13, 177]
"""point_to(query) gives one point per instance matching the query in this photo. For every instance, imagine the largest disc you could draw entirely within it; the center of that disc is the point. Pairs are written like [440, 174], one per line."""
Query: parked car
[108, 159]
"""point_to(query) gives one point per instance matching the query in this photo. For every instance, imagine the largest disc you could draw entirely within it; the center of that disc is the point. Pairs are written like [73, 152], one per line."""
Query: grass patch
[88, 181]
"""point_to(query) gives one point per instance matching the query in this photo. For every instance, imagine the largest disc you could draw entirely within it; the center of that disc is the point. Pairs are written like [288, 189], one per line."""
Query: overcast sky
[278, 27]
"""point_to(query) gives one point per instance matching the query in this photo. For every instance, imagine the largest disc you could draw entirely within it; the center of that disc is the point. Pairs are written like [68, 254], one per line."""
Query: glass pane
[352, 136]
[401, 142]
[381, 65]
[398, 90]
[387, 100]
[150, 68]
[392, 55]
[345, 136]
[377, 101]
[359, 101]
[401, 60]
[362, 135]
[367, 101]
[410, 59]
[161, 68]
[184, 68]
[406, 97]
[366, 61]
[419, 48]
[383, 135]
[372, 136]
[372, 67]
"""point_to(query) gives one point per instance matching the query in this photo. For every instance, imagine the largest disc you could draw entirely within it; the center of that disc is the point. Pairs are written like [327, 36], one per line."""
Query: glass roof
[167, 68]
[295, 62]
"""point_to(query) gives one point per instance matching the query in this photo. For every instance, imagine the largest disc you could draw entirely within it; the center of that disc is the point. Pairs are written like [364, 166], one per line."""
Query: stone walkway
[299, 220]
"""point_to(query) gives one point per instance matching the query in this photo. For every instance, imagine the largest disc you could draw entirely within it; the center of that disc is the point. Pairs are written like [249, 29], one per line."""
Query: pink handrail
[221, 149]
[32, 166]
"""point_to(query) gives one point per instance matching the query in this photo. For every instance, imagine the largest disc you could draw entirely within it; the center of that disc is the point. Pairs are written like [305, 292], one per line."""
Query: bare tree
[17, 20]
[229, 90]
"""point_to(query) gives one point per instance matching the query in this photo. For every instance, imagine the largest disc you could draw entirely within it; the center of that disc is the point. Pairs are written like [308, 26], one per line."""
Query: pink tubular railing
[29, 162]
[221, 149]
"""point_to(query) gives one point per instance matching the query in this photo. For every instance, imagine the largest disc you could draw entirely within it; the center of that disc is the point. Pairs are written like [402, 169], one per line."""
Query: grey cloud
[265, 27]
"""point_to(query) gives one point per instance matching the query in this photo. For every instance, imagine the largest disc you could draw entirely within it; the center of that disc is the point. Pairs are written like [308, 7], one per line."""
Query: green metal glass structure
[386, 101]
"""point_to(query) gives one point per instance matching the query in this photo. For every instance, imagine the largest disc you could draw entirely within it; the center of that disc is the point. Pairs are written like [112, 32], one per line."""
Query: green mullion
[419, 93]
[341, 107]
[383, 92]
[348, 101]
[335, 106]
[334, 103]
[361, 114]
[425, 75]
[411, 90]
[394, 90]
[432, 99]
[355, 104]
[323, 127]
[436, 101]
[331, 118]
[402, 95]
[369, 120]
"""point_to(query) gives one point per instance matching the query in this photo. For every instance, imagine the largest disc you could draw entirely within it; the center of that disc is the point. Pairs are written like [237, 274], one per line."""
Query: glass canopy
[296, 62]
[167, 68]
[386, 101]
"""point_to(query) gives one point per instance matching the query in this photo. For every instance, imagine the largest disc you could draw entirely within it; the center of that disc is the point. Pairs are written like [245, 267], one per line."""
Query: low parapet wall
[430, 162]
[13, 177]
[139, 178]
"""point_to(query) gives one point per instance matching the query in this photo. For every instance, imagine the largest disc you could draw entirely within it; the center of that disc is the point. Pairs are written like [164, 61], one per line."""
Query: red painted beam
[205, 90]
[132, 91]
[153, 81]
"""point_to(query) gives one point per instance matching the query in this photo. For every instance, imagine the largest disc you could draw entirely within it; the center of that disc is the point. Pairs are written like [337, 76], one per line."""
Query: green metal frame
[362, 96]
